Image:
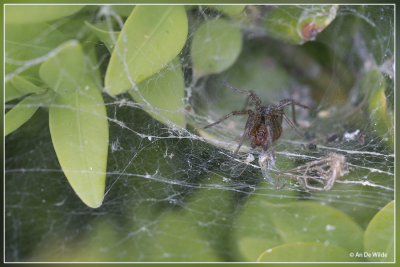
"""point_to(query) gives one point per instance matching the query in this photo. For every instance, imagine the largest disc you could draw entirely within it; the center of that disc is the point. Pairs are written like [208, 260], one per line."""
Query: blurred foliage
[300, 252]
[298, 24]
[379, 235]
[166, 93]
[162, 204]
[263, 225]
[215, 47]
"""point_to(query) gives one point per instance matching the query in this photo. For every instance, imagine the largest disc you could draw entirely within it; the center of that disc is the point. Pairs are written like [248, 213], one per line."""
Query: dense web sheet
[159, 177]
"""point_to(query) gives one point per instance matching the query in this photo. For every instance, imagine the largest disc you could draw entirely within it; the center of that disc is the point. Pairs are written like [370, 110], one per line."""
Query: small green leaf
[306, 252]
[379, 235]
[263, 225]
[109, 38]
[380, 114]
[163, 96]
[151, 37]
[26, 14]
[10, 92]
[215, 47]
[298, 24]
[78, 123]
[21, 113]
[18, 86]
[230, 10]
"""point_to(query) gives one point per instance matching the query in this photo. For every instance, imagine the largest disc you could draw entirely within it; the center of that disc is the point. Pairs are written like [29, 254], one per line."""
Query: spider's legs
[294, 114]
[245, 133]
[270, 135]
[246, 103]
[233, 113]
[291, 124]
[286, 102]
[244, 136]
[250, 94]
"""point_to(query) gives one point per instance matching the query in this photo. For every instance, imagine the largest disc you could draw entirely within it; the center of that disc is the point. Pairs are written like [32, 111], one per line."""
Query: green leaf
[65, 71]
[23, 48]
[263, 225]
[380, 114]
[215, 47]
[340, 198]
[212, 208]
[151, 37]
[162, 95]
[123, 10]
[230, 10]
[78, 123]
[26, 14]
[91, 66]
[306, 252]
[86, 247]
[178, 239]
[19, 86]
[298, 24]
[109, 38]
[10, 92]
[379, 235]
[21, 113]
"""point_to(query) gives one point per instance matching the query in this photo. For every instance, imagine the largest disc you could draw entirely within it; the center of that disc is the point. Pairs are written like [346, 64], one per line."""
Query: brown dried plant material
[324, 171]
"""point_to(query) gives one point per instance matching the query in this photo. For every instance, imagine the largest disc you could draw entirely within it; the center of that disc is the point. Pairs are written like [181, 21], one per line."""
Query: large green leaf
[151, 37]
[64, 72]
[25, 14]
[298, 24]
[26, 44]
[78, 123]
[215, 47]
[263, 225]
[306, 252]
[379, 235]
[162, 95]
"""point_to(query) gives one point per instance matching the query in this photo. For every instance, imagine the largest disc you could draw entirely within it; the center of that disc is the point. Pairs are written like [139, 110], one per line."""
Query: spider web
[153, 169]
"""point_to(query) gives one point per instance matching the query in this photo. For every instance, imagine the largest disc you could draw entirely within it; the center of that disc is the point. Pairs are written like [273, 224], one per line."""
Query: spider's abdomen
[276, 125]
[259, 135]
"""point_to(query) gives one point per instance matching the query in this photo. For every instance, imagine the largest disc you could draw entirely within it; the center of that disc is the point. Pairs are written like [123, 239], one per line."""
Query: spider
[264, 124]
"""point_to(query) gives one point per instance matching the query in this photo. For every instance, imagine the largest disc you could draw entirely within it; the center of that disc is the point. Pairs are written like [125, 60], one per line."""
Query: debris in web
[318, 175]
[267, 162]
